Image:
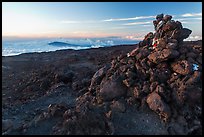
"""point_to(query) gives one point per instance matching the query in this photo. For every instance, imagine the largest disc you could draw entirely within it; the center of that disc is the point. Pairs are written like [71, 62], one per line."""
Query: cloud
[190, 20]
[147, 25]
[184, 22]
[193, 38]
[126, 19]
[136, 36]
[180, 19]
[117, 28]
[191, 14]
[75, 22]
[137, 23]
[132, 37]
[69, 22]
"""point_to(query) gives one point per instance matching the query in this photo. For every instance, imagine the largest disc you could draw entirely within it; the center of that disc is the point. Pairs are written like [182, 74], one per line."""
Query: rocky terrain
[121, 90]
[33, 81]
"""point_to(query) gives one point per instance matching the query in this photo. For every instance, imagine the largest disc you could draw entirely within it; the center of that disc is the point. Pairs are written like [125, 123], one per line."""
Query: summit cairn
[162, 72]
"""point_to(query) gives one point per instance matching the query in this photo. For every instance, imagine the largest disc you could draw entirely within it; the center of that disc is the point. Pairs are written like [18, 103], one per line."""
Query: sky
[131, 20]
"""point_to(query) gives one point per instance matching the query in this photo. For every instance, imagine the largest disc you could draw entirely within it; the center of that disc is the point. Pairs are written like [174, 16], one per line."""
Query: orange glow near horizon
[76, 34]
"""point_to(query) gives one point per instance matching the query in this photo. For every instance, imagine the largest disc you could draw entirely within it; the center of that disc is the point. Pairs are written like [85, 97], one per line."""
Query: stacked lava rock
[165, 28]
[165, 75]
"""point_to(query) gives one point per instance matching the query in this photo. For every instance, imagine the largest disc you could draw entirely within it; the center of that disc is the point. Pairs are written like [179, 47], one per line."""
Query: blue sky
[131, 20]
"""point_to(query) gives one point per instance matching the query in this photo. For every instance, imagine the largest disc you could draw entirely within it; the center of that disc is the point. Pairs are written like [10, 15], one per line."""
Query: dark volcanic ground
[35, 83]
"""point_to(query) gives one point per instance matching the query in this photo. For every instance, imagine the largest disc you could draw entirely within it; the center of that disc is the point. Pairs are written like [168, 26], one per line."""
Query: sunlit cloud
[131, 37]
[193, 38]
[136, 36]
[126, 19]
[137, 23]
[191, 14]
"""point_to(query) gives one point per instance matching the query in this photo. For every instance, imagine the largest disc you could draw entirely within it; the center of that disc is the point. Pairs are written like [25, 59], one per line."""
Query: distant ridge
[60, 44]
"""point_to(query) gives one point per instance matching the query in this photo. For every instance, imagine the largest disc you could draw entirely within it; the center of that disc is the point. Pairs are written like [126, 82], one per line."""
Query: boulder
[169, 26]
[112, 89]
[179, 25]
[159, 16]
[158, 105]
[163, 55]
[97, 77]
[167, 18]
[182, 67]
[134, 52]
[181, 34]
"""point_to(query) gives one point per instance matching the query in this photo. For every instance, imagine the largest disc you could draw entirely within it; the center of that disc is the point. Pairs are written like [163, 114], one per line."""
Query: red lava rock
[128, 82]
[96, 79]
[167, 18]
[136, 92]
[170, 25]
[153, 86]
[163, 55]
[182, 34]
[156, 104]
[134, 52]
[112, 89]
[182, 67]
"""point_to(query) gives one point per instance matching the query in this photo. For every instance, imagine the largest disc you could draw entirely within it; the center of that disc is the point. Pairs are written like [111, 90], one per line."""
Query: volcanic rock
[112, 89]
[182, 67]
[158, 105]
